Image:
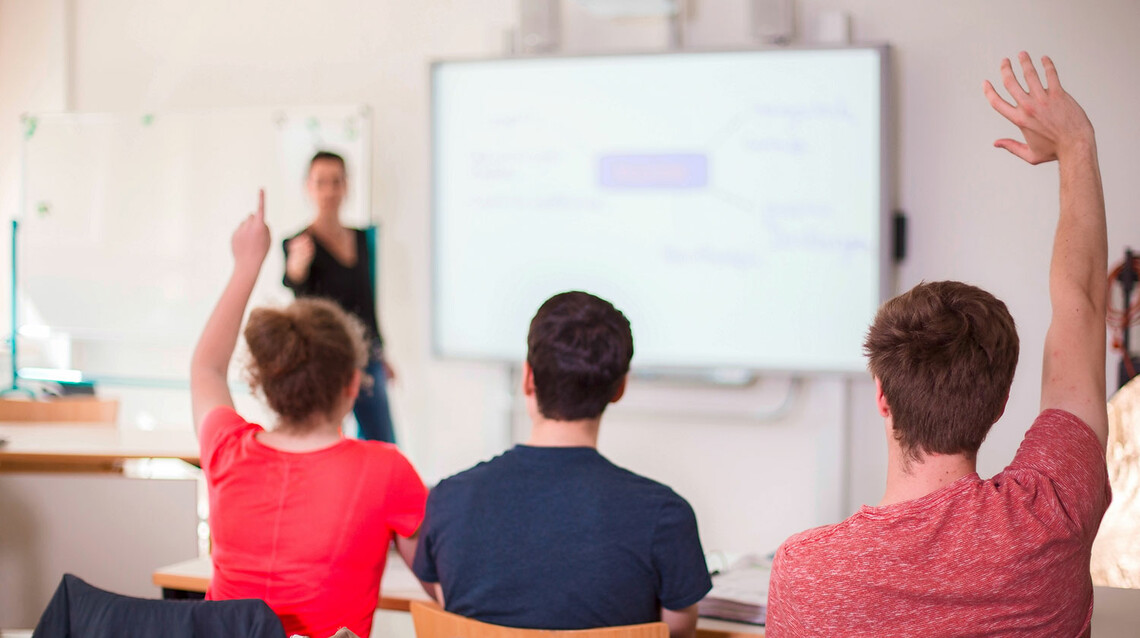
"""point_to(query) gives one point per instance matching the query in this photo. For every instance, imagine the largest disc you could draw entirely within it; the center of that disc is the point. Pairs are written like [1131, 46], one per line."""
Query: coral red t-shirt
[1003, 557]
[309, 532]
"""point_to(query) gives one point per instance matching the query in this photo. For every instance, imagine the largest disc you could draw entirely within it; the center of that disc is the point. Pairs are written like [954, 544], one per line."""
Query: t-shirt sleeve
[423, 565]
[219, 433]
[683, 576]
[1065, 452]
[780, 604]
[406, 498]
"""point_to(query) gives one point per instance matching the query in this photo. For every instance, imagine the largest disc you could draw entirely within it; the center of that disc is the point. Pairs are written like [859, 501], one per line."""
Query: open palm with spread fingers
[1050, 119]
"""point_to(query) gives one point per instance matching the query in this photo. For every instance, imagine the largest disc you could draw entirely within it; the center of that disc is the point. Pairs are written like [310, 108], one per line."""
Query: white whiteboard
[732, 204]
[125, 223]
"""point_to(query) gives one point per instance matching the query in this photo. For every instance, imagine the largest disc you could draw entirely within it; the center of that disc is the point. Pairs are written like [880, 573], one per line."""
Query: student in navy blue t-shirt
[551, 535]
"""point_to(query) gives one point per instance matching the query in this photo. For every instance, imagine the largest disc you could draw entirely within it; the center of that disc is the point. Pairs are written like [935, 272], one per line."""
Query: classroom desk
[87, 447]
[399, 588]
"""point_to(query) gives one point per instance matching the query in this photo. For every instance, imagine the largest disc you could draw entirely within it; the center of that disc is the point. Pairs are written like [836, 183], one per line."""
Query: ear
[881, 400]
[621, 389]
[527, 380]
[352, 390]
[1004, 405]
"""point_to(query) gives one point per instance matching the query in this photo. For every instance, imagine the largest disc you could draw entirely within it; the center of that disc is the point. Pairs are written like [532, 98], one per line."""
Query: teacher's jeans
[373, 417]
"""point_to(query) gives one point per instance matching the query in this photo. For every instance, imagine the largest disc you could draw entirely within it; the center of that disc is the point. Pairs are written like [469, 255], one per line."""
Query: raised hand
[299, 258]
[250, 242]
[211, 360]
[1050, 119]
[1056, 128]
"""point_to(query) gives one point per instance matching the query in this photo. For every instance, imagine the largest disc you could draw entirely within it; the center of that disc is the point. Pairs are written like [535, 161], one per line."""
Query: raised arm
[208, 368]
[1056, 128]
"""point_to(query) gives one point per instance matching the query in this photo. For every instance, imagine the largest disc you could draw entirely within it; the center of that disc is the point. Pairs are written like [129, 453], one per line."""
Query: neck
[327, 221]
[309, 434]
[908, 480]
[551, 433]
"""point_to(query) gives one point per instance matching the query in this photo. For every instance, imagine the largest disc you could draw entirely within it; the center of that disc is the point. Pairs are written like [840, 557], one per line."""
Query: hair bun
[302, 357]
[278, 342]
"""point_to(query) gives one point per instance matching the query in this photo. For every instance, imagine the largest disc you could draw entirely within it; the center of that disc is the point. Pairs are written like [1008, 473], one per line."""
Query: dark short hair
[303, 356]
[579, 348]
[945, 353]
[328, 156]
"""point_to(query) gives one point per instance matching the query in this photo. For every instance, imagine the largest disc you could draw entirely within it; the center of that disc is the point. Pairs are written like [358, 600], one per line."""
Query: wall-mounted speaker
[773, 21]
[540, 26]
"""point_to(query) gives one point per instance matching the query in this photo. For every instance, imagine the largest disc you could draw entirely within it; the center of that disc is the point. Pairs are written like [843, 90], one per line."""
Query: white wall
[976, 213]
[33, 56]
[55, 523]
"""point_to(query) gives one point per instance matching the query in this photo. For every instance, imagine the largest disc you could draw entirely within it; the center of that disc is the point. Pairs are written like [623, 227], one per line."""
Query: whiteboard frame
[29, 121]
[709, 372]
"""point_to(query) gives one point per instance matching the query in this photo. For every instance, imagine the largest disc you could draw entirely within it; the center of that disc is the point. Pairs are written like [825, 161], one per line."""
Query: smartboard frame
[886, 259]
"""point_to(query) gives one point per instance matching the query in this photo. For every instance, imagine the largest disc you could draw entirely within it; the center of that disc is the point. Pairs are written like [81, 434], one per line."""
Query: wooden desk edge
[86, 458]
[401, 600]
[181, 582]
[55, 462]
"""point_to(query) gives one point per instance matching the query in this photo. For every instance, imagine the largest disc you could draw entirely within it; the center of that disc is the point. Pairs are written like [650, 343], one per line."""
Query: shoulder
[221, 421]
[1059, 444]
[799, 547]
[803, 564]
[384, 457]
[378, 449]
[221, 428]
[1060, 469]
[1068, 427]
[642, 486]
[362, 246]
[285, 242]
[488, 471]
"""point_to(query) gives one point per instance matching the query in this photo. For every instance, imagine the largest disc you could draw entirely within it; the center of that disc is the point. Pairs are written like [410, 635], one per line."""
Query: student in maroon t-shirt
[945, 552]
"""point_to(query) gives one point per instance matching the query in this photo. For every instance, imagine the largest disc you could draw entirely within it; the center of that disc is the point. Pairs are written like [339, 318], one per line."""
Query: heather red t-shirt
[1003, 557]
[308, 533]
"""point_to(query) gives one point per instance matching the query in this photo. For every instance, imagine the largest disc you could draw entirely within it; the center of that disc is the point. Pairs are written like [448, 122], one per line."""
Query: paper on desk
[740, 593]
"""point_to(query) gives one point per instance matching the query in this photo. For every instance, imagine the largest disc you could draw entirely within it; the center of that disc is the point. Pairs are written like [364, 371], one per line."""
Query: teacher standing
[331, 261]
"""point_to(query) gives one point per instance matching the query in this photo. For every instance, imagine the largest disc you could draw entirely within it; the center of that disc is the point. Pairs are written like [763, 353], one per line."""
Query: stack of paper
[740, 593]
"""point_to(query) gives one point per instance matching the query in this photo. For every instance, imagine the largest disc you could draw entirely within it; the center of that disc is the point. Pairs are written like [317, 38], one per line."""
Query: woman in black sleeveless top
[331, 261]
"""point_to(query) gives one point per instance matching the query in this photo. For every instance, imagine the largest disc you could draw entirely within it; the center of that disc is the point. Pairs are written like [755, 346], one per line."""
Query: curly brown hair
[303, 356]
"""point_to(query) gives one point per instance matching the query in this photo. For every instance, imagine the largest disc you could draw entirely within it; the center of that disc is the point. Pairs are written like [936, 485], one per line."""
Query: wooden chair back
[433, 622]
[69, 410]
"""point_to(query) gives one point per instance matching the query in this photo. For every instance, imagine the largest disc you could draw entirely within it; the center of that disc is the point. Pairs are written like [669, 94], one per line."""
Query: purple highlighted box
[666, 170]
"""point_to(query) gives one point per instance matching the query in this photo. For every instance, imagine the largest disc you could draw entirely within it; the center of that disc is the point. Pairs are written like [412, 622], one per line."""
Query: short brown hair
[303, 356]
[944, 354]
[328, 156]
[578, 348]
